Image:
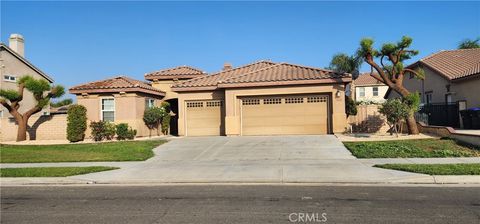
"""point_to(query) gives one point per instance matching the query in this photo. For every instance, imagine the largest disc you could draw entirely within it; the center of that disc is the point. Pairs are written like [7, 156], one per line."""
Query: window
[9, 78]
[214, 103]
[272, 101]
[251, 101]
[108, 110]
[428, 97]
[361, 91]
[316, 99]
[294, 100]
[149, 103]
[375, 91]
[194, 104]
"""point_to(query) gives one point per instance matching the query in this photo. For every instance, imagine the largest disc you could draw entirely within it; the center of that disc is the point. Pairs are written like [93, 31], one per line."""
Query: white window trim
[101, 107]
[9, 80]
[373, 91]
[360, 91]
[147, 102]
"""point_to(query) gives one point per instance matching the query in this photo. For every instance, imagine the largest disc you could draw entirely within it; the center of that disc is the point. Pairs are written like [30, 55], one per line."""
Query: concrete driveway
[268, 159]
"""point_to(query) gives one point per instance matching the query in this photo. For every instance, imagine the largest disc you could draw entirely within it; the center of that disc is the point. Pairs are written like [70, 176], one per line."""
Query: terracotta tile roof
[365, 79]
[284, 74]
[180, 72]
[211, 81]
[453, 64]
[116, 84]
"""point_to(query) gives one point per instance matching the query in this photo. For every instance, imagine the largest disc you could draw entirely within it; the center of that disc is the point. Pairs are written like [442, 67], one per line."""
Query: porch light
[338, 93]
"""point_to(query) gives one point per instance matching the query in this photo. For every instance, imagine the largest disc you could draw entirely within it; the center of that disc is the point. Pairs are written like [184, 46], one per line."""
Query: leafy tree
[390, 68]
[42, 92]
[344, 63]
[165, 117]
[469, 44]
[61, 103]
[76, 123]
[395, 111]
[350, 106]
[152, 117]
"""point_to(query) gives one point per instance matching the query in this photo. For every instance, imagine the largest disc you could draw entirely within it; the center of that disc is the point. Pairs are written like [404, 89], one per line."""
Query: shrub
[98, 130]
[110, 130]
[125, 132]
[166, 124]
[350, 106]
[395, 110]
[76, 123]
[61, 103]
[152, 117]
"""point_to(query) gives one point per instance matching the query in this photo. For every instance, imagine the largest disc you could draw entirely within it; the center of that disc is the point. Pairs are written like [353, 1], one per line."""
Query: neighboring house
[263, 98]
[369, 89]
[14, 65]
[450, 76]
[119, 100]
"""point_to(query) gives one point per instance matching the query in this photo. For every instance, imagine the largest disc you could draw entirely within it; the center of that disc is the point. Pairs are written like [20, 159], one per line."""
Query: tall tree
[391, 70]
[344, 63]
[469, 44]
[42, 92]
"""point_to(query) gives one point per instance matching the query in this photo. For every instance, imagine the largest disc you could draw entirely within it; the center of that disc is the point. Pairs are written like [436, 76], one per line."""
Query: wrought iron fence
[440, 114]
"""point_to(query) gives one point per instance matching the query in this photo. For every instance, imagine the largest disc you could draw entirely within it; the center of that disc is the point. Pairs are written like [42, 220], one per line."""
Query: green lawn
[51, 171]
[436, 169]
[109, 151]
[421, 148]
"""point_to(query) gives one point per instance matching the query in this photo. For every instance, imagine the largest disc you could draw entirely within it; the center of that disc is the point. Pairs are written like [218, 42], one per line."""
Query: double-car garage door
[262, 115]
[285, 115]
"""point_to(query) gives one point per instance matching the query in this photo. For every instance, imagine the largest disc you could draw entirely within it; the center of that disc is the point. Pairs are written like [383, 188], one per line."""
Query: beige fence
[368, 120]
[45, 127]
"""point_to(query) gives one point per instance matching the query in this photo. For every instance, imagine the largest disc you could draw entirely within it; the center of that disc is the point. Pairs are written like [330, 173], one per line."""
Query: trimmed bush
[152, 117]
[125, 132]
[98, 130]
[110, 130]
[76, 123]
[166, 124]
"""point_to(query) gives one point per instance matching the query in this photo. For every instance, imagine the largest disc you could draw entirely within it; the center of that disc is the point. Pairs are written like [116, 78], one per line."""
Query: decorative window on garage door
[272, 101]
[214, 103]
[316, 99]
[290, 100]
[194, 104]
[250, 101]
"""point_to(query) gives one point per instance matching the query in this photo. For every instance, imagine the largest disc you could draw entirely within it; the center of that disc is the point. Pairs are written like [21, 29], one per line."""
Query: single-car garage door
[285, 115]
[204, 118]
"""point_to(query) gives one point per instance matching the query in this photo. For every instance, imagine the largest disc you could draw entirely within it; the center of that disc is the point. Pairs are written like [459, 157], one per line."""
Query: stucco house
[450, 76]
[261, 98]
[369, 89]
[13, 65]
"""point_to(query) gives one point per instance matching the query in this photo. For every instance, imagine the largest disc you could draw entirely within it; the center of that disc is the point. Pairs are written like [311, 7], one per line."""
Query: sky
[78, 42]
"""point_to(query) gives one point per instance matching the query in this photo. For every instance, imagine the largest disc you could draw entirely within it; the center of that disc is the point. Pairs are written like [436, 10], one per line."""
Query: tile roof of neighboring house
[180, 72]
[116, 84]
[365, 79]
[2, 45]
[263, 73]
[453, 64]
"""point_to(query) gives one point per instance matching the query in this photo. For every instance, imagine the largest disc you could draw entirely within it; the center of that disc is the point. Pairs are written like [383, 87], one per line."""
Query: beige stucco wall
[369, 94]
[129, 108]
[48, 127]
[11, 65]
[166, 86]
[436, 84]
[232, 103]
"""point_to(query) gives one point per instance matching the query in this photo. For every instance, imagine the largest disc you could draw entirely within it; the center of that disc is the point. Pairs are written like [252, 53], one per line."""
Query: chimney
[16, 43]
[227, 66]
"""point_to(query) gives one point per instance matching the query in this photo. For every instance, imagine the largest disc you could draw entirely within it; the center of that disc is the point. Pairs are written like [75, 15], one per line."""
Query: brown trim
[284, 83]
[197, 88]
[117, 90]
[168, 77]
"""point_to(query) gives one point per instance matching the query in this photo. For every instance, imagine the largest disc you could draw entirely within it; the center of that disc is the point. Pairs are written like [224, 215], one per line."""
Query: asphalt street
[239, 204]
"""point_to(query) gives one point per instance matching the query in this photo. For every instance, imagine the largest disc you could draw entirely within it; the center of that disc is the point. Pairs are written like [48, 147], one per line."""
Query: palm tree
[469, 44]
[344, 63]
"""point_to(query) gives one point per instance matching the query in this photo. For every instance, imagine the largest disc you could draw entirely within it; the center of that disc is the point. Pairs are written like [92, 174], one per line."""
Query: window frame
[360, 91]
[102, 110]
[428, 97]
[7, 78]
[148, 101]
[375, 93]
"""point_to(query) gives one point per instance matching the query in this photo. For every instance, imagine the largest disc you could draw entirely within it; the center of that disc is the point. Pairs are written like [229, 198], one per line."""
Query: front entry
[285, 115]
[204, 118]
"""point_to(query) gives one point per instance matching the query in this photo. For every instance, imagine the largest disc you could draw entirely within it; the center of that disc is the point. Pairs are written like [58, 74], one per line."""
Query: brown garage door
[204, 118]
[285, 115]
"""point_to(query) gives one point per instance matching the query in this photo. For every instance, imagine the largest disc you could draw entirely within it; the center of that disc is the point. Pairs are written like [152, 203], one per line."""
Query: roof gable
[365, 79]
[116, 84]
[453, 64]
[26, 62]
[180, 72]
